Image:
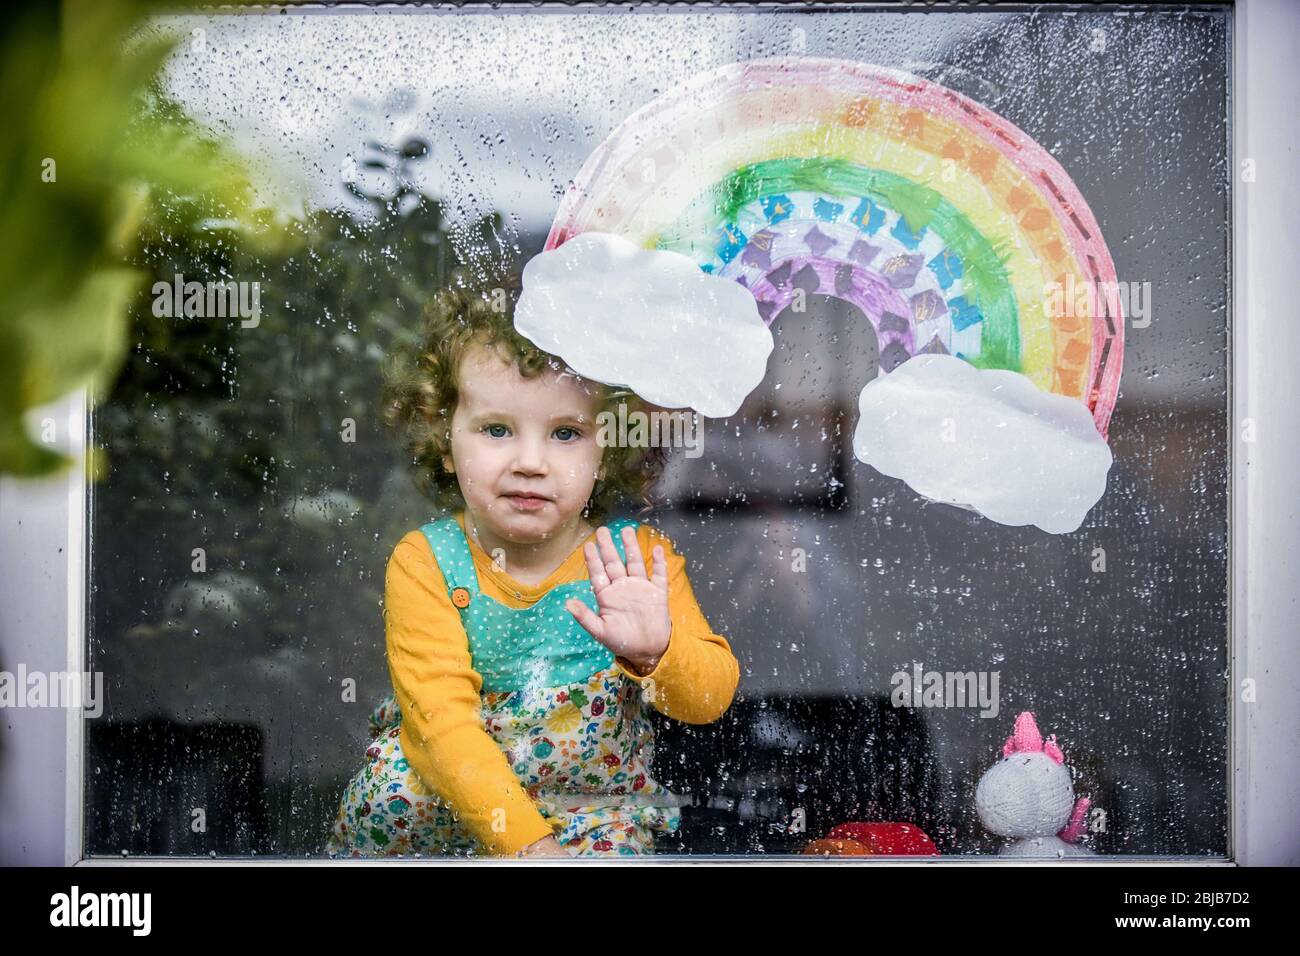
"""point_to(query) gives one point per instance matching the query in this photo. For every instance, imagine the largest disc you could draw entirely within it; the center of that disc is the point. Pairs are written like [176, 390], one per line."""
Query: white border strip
[1265, 525]
[1238, 560]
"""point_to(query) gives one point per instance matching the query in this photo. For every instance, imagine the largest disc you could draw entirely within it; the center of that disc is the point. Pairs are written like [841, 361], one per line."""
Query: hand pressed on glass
[634, 621]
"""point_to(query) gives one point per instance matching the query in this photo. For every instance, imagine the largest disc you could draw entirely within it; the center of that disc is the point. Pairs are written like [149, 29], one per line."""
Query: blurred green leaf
[93, 152]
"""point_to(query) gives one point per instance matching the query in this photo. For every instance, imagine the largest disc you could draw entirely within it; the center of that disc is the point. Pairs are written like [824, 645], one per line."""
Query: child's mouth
[526, 502]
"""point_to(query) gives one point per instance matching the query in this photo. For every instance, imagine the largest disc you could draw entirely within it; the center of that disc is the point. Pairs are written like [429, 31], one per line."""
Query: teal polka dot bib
[516, 648]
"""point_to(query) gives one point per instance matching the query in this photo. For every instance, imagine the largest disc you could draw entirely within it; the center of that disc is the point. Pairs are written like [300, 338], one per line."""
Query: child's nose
[529, 457]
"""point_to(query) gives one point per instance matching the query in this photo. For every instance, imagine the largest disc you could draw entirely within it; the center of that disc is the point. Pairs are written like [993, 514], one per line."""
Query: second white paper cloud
[986, 439]
[646, 319]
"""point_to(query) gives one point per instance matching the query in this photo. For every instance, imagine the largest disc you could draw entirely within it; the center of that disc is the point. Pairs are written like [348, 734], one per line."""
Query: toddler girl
[524, 642]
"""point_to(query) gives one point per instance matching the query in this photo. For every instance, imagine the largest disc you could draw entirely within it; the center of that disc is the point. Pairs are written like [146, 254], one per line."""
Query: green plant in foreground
[87, 161]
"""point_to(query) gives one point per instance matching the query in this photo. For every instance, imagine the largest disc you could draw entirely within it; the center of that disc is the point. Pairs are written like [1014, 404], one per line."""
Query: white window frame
[43, 555]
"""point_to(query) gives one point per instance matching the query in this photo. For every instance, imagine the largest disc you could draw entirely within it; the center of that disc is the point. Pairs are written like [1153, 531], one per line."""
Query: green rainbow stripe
[985, 277]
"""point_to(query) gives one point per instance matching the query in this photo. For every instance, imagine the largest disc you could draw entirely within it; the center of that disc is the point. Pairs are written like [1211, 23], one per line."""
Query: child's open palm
[634, 621]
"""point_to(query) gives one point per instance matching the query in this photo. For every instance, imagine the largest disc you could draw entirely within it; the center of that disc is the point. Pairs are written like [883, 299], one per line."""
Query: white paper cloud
[646, 319]
[988, 440]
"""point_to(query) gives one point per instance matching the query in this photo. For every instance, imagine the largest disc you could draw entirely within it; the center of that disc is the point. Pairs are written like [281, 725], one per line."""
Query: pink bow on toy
[1074, 829]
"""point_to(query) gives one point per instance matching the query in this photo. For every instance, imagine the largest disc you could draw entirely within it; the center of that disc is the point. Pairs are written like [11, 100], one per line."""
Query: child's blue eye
[564, 432]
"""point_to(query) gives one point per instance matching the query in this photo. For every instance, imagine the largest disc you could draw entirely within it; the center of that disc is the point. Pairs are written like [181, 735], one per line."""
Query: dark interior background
[224, 689]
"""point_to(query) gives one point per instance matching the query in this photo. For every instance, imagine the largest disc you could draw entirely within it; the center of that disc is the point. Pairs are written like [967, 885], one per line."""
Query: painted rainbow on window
[944, 223]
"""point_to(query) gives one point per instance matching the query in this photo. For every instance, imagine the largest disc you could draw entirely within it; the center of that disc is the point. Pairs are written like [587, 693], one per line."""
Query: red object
[887, 839]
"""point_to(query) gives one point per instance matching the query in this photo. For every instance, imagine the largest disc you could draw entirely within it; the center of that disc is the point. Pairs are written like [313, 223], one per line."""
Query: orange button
[460, 597]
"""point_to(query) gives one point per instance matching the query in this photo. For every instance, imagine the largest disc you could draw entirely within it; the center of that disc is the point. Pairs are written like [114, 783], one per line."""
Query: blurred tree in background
[264, 447]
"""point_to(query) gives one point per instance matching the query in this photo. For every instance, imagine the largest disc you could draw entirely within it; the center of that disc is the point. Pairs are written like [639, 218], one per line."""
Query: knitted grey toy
[1027, 795]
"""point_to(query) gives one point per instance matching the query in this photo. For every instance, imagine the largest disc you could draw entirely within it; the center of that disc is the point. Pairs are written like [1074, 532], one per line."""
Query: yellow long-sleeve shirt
[438, 690]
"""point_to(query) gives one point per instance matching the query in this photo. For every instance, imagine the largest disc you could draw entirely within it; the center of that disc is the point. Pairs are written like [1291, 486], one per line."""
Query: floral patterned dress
[574, 728]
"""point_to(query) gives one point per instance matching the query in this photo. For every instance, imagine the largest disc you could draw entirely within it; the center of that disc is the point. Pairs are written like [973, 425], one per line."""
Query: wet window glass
[964, 531]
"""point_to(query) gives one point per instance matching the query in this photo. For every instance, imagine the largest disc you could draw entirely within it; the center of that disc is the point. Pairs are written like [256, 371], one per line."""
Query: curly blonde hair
[421, 389]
